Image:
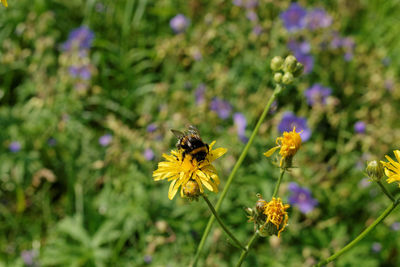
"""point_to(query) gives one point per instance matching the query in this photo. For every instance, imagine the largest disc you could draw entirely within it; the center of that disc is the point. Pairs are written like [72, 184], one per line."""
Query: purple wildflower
[152, 127]
[52, 142]
[148, 154]
[105, 140]
[147, 259]
[273, 108]
[359, 127]
[240, 123]
[376, 247]
[82, 72]
[317, 94]
[301, 198]
[237, 2]
[29, 257]
[301, 51]
[389, 84]
[179, 23]
[364, 182]
[294, 18]
[395, 226]
[348, 45]
[257, 30]
[80, 38]
[289, 120]
[222, 107]
[251, 4]
[251, 15]
[14, 146]
[318, 18]
[200, 94]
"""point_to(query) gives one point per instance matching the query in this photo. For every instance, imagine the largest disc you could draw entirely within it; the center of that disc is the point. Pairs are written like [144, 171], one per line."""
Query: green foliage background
[78, 203]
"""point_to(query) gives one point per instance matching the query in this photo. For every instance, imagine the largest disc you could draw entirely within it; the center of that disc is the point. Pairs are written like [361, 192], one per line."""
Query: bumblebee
[191, 144]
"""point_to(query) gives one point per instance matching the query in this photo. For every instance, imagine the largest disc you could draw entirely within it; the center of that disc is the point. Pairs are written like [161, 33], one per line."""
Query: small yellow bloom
[180, 172]
[276, 214]
[392, 168]
[4, 2]
[289, 143]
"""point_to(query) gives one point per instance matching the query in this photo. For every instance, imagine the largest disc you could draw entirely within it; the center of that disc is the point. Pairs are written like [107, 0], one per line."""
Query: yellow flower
[180, 172]
[392, 168]
[4, 2]
[289, 143]
[276, 214]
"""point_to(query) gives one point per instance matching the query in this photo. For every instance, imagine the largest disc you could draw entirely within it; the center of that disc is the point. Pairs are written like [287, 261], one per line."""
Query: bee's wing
[193, 130]
[177, 133]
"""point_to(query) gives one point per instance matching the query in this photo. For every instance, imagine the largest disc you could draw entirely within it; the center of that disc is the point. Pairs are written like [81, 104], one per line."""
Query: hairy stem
[278, 184]
[237, 242]
[242, 156]
[248, 246]
[362, 235]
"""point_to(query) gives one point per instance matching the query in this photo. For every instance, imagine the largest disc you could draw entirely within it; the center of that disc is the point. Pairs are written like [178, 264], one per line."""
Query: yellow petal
[210, 146]
[271, 151]
[172, 191]
[397, 154]
[216, 153]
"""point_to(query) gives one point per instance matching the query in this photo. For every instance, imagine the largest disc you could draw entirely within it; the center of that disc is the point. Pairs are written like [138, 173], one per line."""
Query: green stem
[248, 246]
[384, 190]
[237, 242]
[278, 184]
[277, 90]
[362, 235]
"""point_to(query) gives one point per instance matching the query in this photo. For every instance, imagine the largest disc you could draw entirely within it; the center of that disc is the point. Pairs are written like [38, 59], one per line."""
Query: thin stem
[242, 156]
[278, 184]
[362, 235]
[248, 246]
[237, 242]
[384, 190]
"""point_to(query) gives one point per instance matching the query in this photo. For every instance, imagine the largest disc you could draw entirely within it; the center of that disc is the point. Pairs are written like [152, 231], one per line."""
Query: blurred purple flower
[222, 107]
[179, 23]
[80, 72]
[52, 142]
[294, 18]
[289, 120]
[240, 123]
[318, 18]
[257, 30]
[317, 94]
[348, 45]
[251, 4]
[376, 247]
[301, 51]
[105, 140]
[273, 108]
[29, 257]
[301, 198]
[395, 226]
[251, 15]
[200, 94]
[237, 2]
[81, 38]
[148, 154]
[14, 146]
[364, 183]
[152, 127]
[359, 127]
[147, 259]
[389, 84]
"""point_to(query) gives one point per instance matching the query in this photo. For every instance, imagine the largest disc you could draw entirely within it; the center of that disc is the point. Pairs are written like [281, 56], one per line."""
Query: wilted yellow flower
[4, 2]
[180, 171]
[289, 143]
[276, 214]
[392, 168]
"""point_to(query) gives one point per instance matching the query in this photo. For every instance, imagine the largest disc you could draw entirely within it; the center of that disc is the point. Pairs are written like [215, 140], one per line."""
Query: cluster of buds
[285, 70]
[270, 218]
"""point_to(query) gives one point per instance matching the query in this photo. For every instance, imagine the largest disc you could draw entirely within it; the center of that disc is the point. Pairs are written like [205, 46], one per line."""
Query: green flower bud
[191, 190]
[290, 64]
[276, 63]
[269, 229]
[375, 170]
[299, 69]
[278, 77]
[287, 78]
